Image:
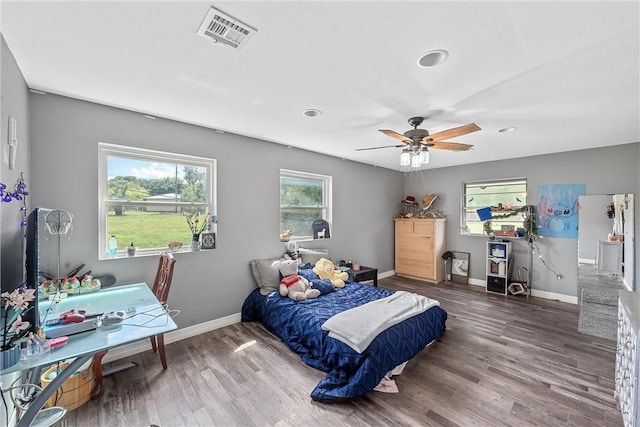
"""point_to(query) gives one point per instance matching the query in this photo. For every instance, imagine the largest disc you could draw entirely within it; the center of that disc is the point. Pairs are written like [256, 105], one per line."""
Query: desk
[365, 273]
[143, 318]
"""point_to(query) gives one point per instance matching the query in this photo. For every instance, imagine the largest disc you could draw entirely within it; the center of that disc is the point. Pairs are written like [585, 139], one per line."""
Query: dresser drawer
[416, 258]
[404, 227]
[415, 243]
[417, 270]
[424, 228]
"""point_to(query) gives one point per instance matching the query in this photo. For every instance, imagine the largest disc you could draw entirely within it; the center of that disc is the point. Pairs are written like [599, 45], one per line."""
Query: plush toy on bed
[293, 252]
[292, 285]
[327, 271]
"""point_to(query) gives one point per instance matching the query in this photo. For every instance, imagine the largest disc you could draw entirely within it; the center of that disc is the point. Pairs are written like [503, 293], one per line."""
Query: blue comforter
[349, 374]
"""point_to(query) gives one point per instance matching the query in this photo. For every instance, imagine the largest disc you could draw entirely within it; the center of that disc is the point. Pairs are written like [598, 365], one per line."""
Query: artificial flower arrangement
[193, 221]
[14, 305]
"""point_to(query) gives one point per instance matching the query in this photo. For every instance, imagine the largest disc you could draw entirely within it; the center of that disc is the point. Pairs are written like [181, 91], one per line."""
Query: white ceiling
[566, 74]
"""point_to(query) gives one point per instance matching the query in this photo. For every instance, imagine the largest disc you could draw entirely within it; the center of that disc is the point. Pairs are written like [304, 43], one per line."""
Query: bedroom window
[304, 198]
[144, 195]
[503, 196]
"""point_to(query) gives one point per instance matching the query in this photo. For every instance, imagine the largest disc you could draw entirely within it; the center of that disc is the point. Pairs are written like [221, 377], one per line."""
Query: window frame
[327, 196]
[107, 149]
[490, 182]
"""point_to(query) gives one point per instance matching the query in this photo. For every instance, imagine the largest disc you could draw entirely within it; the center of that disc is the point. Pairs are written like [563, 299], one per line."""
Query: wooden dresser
[420, 244]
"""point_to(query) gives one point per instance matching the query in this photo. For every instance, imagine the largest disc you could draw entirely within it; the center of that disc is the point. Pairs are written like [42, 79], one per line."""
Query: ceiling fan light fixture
[424, 156]
[416, 162]
[405, 158]
[433, 58]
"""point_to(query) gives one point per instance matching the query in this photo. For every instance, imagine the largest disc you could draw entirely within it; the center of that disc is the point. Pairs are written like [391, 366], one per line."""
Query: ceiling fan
[419, 139]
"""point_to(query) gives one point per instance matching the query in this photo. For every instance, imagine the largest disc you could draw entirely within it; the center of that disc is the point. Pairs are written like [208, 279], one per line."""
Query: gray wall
[15, 96]
[207, 284]
[603, 170]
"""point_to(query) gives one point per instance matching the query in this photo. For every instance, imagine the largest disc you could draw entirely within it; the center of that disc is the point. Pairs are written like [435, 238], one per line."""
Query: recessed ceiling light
[312, 112]
[149, 117]
[433, 58]
[219, 131]
[505, 130]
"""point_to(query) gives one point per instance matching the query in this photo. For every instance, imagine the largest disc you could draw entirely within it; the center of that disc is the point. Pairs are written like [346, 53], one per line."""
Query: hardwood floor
[504, 360]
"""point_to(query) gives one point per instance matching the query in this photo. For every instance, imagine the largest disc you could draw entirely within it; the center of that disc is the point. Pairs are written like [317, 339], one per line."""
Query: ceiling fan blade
[395, 135]
[444, 145]
[375, 148]
[452, 133]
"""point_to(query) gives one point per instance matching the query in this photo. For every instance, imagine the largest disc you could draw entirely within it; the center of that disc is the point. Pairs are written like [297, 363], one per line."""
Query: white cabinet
[627, 368]
[498, 266]
[609, 257]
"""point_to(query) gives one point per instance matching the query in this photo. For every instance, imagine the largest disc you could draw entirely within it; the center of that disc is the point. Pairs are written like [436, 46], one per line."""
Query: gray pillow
[311, 256]
[267, 278]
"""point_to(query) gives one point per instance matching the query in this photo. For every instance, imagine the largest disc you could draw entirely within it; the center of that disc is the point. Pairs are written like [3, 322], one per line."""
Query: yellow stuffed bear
[327, 271]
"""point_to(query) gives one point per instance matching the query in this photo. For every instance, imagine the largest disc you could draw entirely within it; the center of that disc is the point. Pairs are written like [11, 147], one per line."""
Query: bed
[350, 374]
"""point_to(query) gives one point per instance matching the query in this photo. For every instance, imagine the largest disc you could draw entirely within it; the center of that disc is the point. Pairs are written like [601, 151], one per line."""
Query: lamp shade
[415, 160]
[405, 158]
[424, 156]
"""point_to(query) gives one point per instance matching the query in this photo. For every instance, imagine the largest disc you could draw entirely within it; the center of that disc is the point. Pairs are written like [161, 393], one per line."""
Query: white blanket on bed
[358, 326]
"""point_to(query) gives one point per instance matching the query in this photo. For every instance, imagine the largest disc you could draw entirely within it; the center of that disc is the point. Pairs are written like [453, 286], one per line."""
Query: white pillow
[267, 278]
[311, 256]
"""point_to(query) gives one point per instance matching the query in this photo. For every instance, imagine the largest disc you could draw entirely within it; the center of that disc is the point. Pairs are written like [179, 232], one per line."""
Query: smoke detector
[225, 29]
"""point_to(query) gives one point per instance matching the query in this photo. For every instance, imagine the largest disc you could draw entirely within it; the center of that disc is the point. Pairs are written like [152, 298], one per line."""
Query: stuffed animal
[293, 252]
[292, 285]
[327, 271]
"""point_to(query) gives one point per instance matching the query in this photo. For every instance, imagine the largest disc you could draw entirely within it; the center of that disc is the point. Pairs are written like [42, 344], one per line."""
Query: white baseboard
[173, 336]
[554, 296]
[386, 274]
[535, 293]
[477, 282]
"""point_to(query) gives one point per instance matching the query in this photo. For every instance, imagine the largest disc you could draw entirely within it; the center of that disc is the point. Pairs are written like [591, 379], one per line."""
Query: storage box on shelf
[498, 266]
[419, 246]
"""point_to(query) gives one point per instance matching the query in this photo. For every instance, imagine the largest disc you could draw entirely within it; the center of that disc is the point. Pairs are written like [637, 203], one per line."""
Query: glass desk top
[143, 318]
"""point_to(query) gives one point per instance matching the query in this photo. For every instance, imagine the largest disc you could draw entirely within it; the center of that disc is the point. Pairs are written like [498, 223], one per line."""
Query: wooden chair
[161, 287]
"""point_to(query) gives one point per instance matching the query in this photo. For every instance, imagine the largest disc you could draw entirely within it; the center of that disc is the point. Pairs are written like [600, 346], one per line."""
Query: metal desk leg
[45, 394]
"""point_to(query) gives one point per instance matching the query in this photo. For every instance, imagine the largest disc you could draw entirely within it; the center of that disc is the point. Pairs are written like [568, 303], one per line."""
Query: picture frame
[460, 267]
[208, 241]
[320, 229]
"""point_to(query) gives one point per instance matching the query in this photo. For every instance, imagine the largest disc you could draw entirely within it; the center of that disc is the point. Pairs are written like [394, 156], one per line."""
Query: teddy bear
[327, 271]
[293, 252]
[292, 285]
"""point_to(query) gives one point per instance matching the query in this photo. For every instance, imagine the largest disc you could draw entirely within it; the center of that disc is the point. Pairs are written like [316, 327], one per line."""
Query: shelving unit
[498, 266]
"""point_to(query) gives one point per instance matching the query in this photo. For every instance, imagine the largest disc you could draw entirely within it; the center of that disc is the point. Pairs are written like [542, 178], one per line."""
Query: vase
[10, 357]
[195, 242]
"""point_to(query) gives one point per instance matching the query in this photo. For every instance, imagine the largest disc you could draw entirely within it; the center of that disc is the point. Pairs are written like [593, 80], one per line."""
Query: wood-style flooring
[504, 360]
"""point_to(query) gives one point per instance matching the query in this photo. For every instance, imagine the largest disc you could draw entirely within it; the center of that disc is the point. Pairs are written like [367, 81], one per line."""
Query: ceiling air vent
[225, 29]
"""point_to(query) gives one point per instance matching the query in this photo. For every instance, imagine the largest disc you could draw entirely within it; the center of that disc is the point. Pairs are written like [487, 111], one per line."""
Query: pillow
[311, 256]
[308, 274]
[267, 278]
[324, 286]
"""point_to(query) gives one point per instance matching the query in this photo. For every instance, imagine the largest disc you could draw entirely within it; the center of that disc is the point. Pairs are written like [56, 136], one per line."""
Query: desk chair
[161, 287]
